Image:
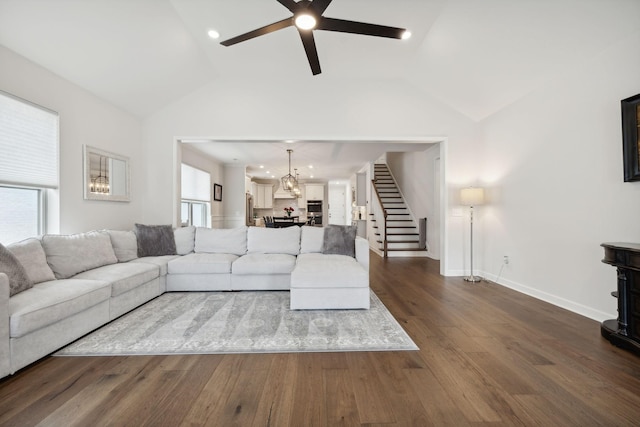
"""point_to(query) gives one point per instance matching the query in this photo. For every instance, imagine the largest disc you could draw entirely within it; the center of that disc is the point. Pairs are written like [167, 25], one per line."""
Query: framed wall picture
[631, 137]
[217, 192]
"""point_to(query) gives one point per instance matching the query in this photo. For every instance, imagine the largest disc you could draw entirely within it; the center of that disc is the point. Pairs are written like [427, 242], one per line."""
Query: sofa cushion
[125, 244]
[221, 240]
[32, 257]
[202, 263]
[185, 239]
[75, 253]
[18, 279]
[340, 240]
[262, 240]
[122, 277]
[161, 261]
[311, 239]
[319, 270]
[264, 264]
[52, 301]
[155, 240]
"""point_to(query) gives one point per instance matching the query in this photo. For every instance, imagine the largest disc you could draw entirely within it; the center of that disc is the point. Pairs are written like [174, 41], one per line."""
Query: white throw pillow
[221, 240]
[185, 239]
[262, 240]
[75, 253]
[125, 244]
[311, 240]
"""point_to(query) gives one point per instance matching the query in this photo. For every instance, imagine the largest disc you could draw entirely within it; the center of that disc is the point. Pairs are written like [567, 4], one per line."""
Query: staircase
[401, 228]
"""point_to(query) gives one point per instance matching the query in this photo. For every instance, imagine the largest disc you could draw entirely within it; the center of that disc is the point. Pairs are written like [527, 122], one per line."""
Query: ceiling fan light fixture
[406, 35]
[305, 21]
[213, 34]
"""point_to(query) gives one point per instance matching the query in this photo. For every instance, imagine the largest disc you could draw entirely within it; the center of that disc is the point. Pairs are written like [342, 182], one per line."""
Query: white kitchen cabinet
[262, 196]
[314, 191]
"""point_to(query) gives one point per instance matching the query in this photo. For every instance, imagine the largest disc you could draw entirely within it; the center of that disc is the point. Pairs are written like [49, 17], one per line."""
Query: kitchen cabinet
[314, 191]
[262, 196]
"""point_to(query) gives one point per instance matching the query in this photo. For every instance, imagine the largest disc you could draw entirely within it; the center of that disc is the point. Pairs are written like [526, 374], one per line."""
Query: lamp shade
[472, 196]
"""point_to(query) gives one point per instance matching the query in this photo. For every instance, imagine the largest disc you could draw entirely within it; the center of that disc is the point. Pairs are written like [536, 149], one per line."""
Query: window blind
[196, 184]
[29, 137]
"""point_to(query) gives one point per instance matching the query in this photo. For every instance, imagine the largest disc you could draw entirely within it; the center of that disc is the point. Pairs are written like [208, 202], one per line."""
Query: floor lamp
[471, 197]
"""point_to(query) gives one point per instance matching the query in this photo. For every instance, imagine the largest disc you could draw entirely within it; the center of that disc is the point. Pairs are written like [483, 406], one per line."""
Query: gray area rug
[241, 322]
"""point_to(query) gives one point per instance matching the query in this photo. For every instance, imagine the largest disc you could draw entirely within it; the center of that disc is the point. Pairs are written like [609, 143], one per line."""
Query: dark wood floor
[488, 356]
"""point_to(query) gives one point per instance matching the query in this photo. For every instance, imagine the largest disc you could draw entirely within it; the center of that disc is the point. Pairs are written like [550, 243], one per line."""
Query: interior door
[337, 205]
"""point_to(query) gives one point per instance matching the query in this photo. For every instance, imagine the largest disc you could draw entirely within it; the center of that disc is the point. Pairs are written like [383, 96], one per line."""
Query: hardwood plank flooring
[488, 356]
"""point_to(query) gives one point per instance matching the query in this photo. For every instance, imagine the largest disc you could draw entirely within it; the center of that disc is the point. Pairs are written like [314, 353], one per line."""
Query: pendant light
[296, 188]
[289, 181]
[100, 184]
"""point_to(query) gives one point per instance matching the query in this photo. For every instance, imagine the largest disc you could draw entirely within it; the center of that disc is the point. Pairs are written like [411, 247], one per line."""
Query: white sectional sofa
[80, 282]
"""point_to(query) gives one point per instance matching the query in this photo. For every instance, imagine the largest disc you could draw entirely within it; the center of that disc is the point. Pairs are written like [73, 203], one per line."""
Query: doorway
[337, 204]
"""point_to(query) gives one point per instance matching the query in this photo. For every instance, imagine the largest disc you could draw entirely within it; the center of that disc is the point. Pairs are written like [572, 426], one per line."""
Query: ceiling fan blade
[259, 32]
[310, 47]
[320, 5]
[344, 26]
[289, 4]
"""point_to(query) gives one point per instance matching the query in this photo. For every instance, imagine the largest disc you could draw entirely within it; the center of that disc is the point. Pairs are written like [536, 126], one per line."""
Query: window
[28, 167]
[194, 213]
[20, 213]
[196, 197]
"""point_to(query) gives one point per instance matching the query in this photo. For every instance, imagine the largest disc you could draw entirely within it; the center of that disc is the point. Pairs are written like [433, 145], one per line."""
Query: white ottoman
[321, 281]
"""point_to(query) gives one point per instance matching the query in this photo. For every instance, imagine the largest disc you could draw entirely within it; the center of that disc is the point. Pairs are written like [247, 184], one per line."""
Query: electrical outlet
[505, 260]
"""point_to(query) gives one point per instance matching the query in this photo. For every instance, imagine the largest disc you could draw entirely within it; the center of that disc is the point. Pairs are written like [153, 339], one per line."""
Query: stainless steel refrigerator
[249, 220]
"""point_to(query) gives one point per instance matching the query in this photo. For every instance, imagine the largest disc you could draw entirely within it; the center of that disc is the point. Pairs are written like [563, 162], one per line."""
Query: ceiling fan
[307, 16]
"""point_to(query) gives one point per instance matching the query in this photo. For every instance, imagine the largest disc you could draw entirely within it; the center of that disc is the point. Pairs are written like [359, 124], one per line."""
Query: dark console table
[625, 330]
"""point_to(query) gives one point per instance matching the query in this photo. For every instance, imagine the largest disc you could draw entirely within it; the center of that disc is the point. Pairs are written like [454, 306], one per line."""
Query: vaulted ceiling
[475, 57]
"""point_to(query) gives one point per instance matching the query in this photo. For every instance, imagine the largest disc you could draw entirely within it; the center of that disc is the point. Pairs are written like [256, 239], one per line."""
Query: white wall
[553, 167]
[216, 170]
[340, 109]
[84, 119]
[415, 174]
[234, 198]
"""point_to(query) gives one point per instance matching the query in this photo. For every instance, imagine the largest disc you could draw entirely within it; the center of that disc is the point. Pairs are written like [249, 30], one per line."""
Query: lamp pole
[472, 197]
[471, 277]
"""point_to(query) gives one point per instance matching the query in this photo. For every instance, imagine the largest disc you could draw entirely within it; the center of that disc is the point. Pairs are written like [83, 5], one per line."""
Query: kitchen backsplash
[280, 204]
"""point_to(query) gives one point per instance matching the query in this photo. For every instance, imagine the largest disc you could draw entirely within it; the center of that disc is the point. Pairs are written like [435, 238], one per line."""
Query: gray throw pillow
[155, 240]
[18, 279]
[340, 240]
[32, 257]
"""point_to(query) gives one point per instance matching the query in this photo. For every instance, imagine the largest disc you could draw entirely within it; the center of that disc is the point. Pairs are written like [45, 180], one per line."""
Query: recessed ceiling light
[310, 166]
[213, 34]
[289, 141]
[268, 172]
[310, 176]
[406, 35]
[261, 166]
[305, 22]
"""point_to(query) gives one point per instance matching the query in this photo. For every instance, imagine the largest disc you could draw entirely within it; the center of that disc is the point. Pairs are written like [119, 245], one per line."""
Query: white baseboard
[552, 299]
[454, 273]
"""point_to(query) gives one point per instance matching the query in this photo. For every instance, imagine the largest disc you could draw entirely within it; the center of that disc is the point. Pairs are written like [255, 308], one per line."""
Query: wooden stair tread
[402, 234]
[402, 249]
